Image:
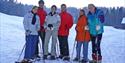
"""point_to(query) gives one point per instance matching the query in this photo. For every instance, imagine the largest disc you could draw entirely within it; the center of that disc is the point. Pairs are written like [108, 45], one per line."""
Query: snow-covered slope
[12, 39]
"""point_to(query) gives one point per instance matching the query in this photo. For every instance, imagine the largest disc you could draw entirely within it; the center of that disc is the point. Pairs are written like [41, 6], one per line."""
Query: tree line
[113, 16]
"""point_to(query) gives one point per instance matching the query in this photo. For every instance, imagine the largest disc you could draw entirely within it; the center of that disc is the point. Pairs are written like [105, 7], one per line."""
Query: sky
[78, 3]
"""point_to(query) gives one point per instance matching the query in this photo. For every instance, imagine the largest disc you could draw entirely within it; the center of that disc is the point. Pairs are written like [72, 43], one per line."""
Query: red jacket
[82, 35]
[66, 24]
[42, 15]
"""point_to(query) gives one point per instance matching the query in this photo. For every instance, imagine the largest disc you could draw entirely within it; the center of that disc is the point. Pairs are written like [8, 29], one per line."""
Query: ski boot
[94, 58]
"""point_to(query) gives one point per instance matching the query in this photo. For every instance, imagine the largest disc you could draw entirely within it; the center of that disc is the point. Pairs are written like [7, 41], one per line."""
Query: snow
[12, 39]
[123, 20]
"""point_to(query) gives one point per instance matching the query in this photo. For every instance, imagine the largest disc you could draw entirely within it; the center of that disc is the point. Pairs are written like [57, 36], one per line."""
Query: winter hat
[34, 7]
[41, 1]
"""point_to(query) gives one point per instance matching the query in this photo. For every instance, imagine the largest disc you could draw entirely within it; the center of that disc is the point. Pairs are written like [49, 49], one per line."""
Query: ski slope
[12, 39]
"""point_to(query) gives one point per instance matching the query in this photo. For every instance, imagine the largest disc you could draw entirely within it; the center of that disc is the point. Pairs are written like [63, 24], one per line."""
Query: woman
[82, 37]
[52, 23]
[31, 26]
[95, 21]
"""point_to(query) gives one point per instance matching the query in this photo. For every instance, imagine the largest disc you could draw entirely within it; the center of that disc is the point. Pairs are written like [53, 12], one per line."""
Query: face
[35, 10]
[41, 5]
[53, 9]
[91, 9]
[63, 8]
[81, 13]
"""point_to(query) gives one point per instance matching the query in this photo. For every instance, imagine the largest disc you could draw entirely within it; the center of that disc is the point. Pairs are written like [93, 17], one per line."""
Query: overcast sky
[77, 3]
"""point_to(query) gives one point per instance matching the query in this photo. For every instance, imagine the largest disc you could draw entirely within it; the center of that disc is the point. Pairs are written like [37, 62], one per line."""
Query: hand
[97, 27]
[86, 28]
[49, 28]
[27, 32]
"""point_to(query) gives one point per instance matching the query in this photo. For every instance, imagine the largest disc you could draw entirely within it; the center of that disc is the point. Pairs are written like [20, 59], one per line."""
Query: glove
[97, 27]
[50, 26]
[27, 32]
[86, 28]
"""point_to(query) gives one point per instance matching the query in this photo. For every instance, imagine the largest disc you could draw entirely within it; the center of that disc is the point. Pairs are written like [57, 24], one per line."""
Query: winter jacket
[27, 22]
[82, 35]
[66, 24]
[42, 15]
[96, 19]
[53, 20]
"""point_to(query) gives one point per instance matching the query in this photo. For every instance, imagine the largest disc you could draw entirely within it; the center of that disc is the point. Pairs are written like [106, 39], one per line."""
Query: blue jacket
[95, 19]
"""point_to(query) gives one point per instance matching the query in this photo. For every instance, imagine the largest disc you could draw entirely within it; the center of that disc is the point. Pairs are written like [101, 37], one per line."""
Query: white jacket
[27, 22]
[54, 20]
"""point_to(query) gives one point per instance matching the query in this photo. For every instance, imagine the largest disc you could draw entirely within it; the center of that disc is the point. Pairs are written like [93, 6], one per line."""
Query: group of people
[37, 23]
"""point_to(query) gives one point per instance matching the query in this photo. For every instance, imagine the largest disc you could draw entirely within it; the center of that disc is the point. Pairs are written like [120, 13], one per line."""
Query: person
[31, 26]
[52, 23]
[82, 37]
[66, 24]
[95, 22]
[42, 15]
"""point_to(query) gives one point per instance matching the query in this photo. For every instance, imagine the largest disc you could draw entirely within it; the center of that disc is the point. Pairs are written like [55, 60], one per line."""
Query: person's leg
[99, 37]
[28, 47]
[42, 36]
[93, 39]
[85, 51]
[37, 47]
[61, 45]
[47, 38]
[78, 49]
[33, 46]
[66, 48]
[54, 41]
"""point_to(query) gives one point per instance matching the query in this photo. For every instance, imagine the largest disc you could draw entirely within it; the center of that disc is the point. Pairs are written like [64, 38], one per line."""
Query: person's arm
[38, 24]
[69, 24]
[56, 25]
[25, 22]
[101, 16]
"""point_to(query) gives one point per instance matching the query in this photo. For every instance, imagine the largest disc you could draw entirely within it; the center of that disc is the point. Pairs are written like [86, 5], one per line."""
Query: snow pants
[63, 44]
[96, 41]
[31, 41]
[48, 35]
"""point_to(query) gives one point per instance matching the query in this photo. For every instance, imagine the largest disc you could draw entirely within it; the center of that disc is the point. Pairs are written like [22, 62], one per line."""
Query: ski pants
[96, 41]
[63, 43]
[48, 35]
[31, 41]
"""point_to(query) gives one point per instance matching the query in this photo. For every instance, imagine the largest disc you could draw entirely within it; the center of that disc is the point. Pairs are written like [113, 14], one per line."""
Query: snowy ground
[12, 41]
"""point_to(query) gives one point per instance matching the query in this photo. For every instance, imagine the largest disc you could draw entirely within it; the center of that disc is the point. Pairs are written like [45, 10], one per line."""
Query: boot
[44, 56]
[76, 59]
[52, 57]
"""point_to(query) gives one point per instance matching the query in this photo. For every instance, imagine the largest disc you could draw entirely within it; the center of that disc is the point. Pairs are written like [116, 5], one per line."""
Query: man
[95, 23]
[42, 15]
[66, 24]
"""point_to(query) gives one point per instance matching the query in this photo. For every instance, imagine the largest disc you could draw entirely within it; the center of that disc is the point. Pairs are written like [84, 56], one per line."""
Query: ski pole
[20, 54]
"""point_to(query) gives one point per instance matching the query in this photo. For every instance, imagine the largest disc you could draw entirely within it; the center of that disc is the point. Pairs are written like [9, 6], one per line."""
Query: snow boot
[52, 57]
[45, 56]
[76, 59]
[66, 58]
